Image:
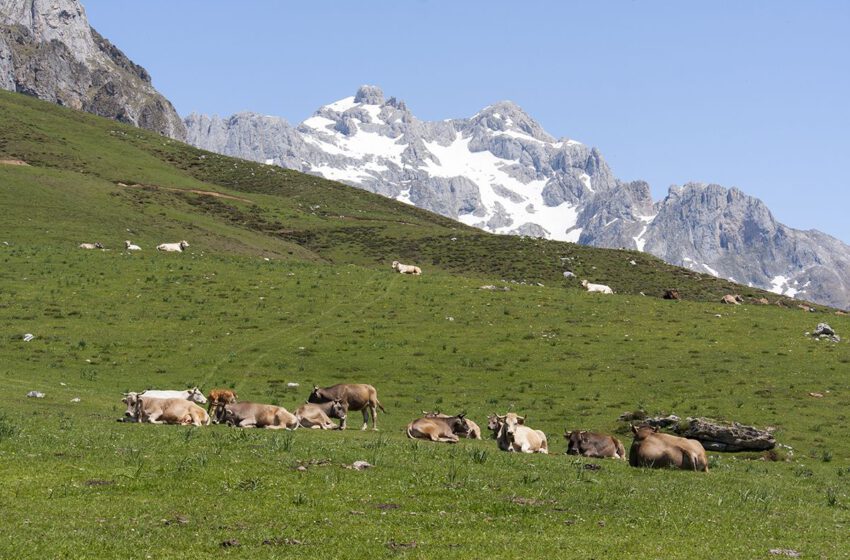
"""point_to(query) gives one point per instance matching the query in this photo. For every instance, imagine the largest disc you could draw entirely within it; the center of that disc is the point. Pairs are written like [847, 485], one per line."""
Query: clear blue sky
[752, 94]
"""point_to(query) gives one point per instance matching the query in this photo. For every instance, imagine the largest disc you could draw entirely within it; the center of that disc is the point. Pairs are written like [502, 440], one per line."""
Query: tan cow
[435, 428]
[255, 415]
[406, 268]
[592, 444]
[311, 415]
[732, 299]
[165, 411]
[353, 396]
[514, 436]
[474, 431]
[217, 399]
[653, 449]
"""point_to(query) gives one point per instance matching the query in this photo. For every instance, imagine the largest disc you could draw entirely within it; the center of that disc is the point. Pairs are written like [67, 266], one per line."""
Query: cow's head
[316, 395]
[228, 416]
[337, 410]
[458, 424]
[184, 244]
[574, 441]
[395, 265]
[511, 420]
[493, 423]
[643, 431]
[195, 395]
[131, 400]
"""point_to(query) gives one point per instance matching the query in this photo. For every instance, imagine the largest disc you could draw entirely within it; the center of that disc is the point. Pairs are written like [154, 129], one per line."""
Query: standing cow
[653, 449]
[353, 396]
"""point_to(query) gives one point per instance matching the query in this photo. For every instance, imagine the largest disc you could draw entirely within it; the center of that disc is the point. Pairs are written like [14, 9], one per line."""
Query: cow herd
[650, 448]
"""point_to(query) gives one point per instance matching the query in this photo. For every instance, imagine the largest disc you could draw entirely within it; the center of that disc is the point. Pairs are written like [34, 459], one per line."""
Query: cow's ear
[655, 429]
[634, 430]
[521, 419]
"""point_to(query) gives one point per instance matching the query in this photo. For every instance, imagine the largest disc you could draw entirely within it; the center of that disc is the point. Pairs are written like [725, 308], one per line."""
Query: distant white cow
[91, 245]
[194, 394]
[173, 247]
[406, 268]
[130, 247]
[601, 288]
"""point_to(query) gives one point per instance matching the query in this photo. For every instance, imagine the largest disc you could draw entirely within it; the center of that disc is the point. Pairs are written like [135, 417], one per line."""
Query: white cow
[406, 268]
[91, 245]
[130, 247]
[601, 288]
[173, 247]
[194, 394]
[514, 436]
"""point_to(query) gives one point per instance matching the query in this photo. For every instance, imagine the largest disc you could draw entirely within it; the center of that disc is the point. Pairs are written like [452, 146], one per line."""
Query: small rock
[789, 552]
[816, 395]
[75, 399]
[360, 465]
[35, 395]
[292, 384]
[28, 337]
[229, 543]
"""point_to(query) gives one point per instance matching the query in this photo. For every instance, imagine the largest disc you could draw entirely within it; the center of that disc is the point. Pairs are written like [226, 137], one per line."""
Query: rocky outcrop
[48, 50]
[499, 170]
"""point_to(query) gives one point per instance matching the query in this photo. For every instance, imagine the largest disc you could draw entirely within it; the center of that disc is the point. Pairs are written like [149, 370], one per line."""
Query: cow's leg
[365, 412]
[247, 423]
[153, 418]
[374, 410]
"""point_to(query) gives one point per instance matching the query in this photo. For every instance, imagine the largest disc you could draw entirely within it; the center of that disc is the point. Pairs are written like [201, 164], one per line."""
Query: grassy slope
[74, 483]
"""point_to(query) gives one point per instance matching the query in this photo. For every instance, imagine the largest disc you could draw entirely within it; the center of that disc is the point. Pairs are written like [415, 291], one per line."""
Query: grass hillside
[325, 308]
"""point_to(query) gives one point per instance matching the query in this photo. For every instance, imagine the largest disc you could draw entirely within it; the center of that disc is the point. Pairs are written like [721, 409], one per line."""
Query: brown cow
[164, 411]
[216, 400]
[474, 432]
[354, 396]
[438, 428]
[254, 415]
[653, 449]
[311, 415]
[592, 444]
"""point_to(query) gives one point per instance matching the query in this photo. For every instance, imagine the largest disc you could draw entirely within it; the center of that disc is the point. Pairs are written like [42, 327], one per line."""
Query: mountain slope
[49, 51]
[500, 171]
[92, 179]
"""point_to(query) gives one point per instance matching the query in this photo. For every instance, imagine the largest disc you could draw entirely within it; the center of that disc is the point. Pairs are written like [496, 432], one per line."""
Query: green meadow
[288, 280]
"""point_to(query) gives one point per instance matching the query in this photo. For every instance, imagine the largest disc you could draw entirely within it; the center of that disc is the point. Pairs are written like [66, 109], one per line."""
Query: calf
[438, 428]
[592, 444]
[311, 415]
[254, 415]
[217, 399]
[653, 449]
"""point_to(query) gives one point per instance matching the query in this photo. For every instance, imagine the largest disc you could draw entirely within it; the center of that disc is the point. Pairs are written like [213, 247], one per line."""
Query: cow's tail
[409, 433]
[378, 403]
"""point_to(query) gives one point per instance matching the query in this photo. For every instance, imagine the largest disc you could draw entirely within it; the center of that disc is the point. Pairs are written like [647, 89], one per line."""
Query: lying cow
[406, 268]
[473, 432]
[91, 245]
[592, 444]
[653, 449]
[434, 428]
[194, 394]
[514, 436]
[312, 415]
[217, 399]
[353, 396]
[173, 247]
[255, 415]
[732, 299]
[164, 411]
[600, 288]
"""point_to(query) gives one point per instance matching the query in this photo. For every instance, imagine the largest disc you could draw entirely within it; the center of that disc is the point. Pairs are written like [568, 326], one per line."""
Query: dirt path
[195, 191]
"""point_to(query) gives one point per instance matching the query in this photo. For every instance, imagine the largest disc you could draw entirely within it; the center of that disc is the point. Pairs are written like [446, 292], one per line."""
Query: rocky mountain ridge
[49, 50]
[499, 170]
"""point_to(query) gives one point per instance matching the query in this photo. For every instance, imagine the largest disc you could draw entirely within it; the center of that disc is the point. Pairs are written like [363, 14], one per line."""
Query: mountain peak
[370, 95]
[508, 116]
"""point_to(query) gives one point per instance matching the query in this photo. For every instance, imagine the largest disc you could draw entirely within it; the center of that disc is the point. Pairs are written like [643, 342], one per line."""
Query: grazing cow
[671, 294]
[311, 415]
[473, 432]
[255, 415]
[653, 449]
[353, 396]
[173, 247]
[601, 288]
[216, 399]
[128, 245]
[514, 436]
[194, 394]
[91, 245]
[592, 444]
[732, 299]
[438, 428]
[164, 411]
[406, 268]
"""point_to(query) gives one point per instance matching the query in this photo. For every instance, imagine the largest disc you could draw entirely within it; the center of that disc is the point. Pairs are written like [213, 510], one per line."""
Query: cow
[194, 394]
[311, 415]
[216, 400]
[164, 411]
[592, 444]
[438, 428]
[406, 268]
[474, 432]
[671, 294]
[354, 396]
[653, 449]
[255, 415]
[514, 436]
[128, 245]
[91, 245]
[600, 288]
[732, 299]
[173, 247]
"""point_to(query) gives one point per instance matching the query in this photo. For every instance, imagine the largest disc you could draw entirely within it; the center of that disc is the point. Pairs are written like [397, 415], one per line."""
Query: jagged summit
[499, 170]
[49, 50]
